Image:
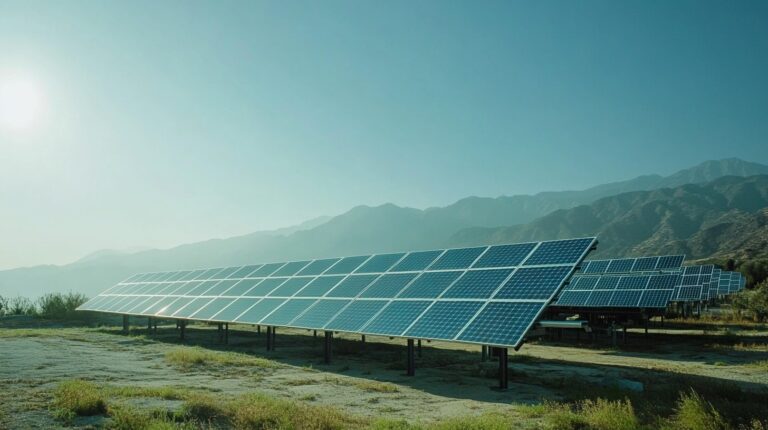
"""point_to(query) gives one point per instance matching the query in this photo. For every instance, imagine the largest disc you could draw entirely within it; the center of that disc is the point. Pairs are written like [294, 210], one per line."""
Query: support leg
[503, 370]
[226, 334]
[125, 324]
[274, 335]
[483, 353]
[220, 332]
[624, 333]
[258, 329]
[418, 347]
[411, 360]
[149, 325]
[269, 338]
[314, 334]
[327, 347]
[362, 338]
[182, 329]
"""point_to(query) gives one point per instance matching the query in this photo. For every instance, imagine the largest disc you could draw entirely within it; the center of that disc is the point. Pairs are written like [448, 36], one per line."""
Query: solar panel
[694, 284]
[632, 290]
[487, 294]
[629, 265]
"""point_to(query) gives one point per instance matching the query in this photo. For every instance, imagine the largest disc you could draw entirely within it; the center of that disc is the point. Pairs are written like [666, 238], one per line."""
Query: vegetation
[59, 306]
[78, 398]
[752, 303]
[693, 412]
[191, 356]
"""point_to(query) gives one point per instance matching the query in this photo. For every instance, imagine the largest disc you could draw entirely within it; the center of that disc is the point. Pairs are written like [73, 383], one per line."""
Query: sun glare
[20, 103]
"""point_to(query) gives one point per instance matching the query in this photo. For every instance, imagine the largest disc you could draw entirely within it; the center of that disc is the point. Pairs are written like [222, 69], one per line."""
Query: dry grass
[78, 398]
[193, 356]
[364, 384]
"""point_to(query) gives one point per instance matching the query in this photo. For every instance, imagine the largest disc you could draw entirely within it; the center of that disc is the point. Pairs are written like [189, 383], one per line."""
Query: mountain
[362, 229]
[725, 217]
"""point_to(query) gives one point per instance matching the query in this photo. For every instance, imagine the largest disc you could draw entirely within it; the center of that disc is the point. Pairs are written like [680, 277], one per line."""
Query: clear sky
[162, 122]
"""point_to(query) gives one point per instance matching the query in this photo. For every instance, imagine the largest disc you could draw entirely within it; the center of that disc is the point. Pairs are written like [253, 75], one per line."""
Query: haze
[197, 121]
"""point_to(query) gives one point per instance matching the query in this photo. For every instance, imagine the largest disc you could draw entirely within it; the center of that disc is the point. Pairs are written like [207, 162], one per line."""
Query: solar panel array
[730, 282]
[694, 284]
[489, 294]
[646, 291]
[633, 265]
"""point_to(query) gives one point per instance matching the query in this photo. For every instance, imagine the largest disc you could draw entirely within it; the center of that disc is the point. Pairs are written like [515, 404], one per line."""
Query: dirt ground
[451, 380]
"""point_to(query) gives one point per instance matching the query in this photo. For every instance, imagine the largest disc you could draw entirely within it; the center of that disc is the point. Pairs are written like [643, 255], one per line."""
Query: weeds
[78, 398]
[693, 412]
[192, 356]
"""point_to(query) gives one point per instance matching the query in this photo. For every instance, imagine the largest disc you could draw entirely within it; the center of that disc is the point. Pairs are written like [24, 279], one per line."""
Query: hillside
[724, 217]
[389, 227]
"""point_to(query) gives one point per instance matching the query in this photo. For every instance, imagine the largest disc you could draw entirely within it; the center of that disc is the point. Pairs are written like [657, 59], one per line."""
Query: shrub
[78, 398]
[694, 413]
[3, 306]
[60, 306]
[603, 414]
[20, 306]
[754, 302]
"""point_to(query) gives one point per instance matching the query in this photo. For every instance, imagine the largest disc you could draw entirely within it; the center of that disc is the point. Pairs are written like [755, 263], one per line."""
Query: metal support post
[125, 323]
[483, 352]
[411, 360]
[226, 333]
[418, 347]
[503, 370]
[327, 347]
[182, 329]
[269, 338]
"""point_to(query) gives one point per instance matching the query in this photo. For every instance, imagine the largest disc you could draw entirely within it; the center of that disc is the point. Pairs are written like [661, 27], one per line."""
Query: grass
[192, 356]
[761, 365]
[599, 414]
[693, 412]
[364, 384]
[78, 398]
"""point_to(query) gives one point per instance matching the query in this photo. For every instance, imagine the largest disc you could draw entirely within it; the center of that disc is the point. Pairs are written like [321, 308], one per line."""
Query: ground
[368, 379]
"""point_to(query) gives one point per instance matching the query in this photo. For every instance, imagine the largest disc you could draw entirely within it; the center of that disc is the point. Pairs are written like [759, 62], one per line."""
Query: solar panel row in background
[647, 291]
[694, 284]
[489, 294]
[631, 265]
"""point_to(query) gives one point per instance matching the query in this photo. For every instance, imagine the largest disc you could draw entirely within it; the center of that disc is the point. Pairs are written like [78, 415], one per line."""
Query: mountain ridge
[361, 230]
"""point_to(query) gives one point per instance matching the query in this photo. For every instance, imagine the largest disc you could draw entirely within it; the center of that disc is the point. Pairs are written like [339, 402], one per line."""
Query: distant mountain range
[724, 217]
[684, 212]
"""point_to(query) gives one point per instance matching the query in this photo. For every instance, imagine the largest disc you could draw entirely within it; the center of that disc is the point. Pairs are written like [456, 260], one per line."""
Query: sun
[21, 103]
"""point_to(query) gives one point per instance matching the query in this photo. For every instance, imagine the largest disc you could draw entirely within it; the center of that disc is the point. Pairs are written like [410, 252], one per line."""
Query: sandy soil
[450, 379]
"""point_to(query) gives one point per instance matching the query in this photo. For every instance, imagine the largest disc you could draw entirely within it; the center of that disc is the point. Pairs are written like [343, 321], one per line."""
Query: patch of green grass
[364, 384]
[760, 365]
[599, 414]
[124, 417]
[166, 393]
[308, 397]
[193, 356]
[64, 333]
[78, 398]
[489, 421]
[261, 412]
[695, 413]
[301, 381]
[389, 424]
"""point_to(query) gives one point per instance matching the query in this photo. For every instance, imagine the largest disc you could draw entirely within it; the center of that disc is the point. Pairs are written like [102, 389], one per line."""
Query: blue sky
[169, 122]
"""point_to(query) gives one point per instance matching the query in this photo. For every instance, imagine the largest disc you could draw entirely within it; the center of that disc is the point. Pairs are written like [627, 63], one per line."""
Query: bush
[753, 302]
[694, 413]
[20, 306]
[78, 398]
[60, 306]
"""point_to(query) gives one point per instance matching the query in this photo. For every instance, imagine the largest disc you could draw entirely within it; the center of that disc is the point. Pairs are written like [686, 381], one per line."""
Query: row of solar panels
[488, 295]
[512, 255]
[600, 287]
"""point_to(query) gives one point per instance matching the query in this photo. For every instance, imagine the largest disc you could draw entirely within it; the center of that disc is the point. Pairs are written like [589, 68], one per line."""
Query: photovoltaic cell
[559, 252]
[505, 255]
[346, 265]
[416, 261]
[388, 286]
[516, 317]
[379, 263]
[320, 313]
[429, 285]
[457, 258]
[356, 315]
[534, 283]
[477, 284]
[443, 320]
[318, 266]
[396, 317]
